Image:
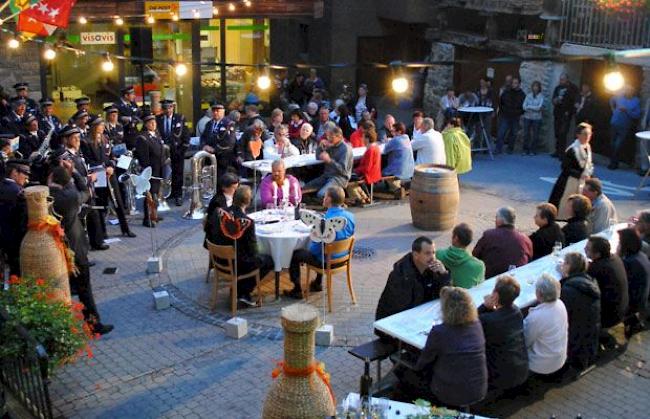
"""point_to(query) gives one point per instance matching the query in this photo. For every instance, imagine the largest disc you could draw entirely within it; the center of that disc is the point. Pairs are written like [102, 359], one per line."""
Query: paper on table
[124, 162]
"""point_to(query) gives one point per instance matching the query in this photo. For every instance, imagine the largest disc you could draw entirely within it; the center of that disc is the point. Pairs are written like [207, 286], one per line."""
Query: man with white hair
[384, 133]
[319, 123]
[311, 110]
[503, 246]
[428, 144]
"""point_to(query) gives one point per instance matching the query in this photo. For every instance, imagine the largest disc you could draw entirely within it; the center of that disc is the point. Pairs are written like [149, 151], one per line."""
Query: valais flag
[51, 12]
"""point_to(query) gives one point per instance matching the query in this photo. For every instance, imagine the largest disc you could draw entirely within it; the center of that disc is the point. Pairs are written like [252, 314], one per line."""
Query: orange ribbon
[314, 367]
[52, 226]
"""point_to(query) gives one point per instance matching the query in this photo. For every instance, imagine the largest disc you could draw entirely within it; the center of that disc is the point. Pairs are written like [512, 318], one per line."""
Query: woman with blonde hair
[453, 360]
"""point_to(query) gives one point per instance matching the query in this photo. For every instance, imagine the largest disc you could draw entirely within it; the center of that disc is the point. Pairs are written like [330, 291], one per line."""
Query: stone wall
[439, 78]
[20, 64]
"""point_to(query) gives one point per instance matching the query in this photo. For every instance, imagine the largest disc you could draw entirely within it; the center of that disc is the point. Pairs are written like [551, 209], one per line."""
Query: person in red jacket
[368, 170]
[356, 138]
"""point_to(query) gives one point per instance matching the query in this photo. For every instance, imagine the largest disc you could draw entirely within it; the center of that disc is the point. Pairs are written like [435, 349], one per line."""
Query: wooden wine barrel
[434, 197]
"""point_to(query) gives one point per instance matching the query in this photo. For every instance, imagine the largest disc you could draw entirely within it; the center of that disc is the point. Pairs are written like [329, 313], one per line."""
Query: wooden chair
[220, 254]
[335, 265]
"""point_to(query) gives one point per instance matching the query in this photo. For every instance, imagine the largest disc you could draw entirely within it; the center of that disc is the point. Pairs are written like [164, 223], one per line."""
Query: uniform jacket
[13, 216]
[30, 142]
[178, 137]
[45, 123]
[67, 201]
[14, 123]
[149, 151]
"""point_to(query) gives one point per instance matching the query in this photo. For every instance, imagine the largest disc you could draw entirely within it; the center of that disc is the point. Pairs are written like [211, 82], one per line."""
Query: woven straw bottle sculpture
[299, 396]
[40, 257]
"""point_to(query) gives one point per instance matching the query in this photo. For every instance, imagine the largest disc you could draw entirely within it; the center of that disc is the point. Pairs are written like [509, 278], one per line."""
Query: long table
[412, 326]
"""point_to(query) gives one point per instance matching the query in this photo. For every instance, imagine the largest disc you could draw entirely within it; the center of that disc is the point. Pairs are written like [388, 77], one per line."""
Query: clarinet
[44, 148]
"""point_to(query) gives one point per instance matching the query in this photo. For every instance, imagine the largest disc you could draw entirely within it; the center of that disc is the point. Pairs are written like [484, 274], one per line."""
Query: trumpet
[204, 184]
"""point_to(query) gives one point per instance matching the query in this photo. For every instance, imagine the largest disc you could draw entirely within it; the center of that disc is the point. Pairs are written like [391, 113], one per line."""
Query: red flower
[40, 282]
[14, 280]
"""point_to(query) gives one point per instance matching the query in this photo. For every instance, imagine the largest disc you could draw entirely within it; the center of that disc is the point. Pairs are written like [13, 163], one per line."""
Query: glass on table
[271, 206]
[380, 408]
[511, 269]
[557, 248]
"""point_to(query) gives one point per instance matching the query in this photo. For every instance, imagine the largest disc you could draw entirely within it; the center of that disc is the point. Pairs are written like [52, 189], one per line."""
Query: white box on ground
[236, 328]
[154, 265]
[325, 335]
[161, 299]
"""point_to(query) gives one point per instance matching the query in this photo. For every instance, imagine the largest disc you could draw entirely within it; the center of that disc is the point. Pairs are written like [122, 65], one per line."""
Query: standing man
[510, 111]
[564, 98]
[173, 130]
[13, 211]
[626, 110]
[22, 90]
[149, 151]
[46, 118]
[219, 139]
[129, 112]
[32, 137]
[586, 106]
[14, 122]
[114, 130]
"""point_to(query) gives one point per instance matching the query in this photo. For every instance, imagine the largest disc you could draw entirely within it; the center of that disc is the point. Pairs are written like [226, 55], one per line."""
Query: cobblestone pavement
[178, 362]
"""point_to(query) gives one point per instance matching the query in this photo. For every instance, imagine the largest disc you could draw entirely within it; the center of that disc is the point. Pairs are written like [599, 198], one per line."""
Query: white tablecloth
[412, 326]
[264, 166]
[280, 239]
[404, 409]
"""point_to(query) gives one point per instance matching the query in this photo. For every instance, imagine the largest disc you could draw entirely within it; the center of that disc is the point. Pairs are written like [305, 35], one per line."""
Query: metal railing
[586, 24]
[26, 377]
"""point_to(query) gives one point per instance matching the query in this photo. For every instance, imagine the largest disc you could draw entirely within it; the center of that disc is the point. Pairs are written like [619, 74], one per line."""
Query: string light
[82, 20]
[231, 7]
[151, 20]
[49, 54]
[614, 80]
[215, 10]
[107, 65]
[180, 69]
[247, 3]
[400, 84]
[175, 17]
[13, 43]
[263, 82]
[119, 21]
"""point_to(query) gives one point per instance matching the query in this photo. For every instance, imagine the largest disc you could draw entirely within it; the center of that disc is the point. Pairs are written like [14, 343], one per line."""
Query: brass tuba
[129, 189]
[204, 184]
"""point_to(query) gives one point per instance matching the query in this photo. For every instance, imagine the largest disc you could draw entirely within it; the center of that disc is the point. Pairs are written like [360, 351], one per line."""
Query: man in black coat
[608, 270]
[129, 112]
[415, 279]
[219, 139]
[503, 326]
[510, 110]
[22, 91]
[14, 122]
[46, 118]
[32, 137]
[549, 232]
[248, 259]
[68, 197]
[581, 297]
[149, 150]
[173, 129]
[13, 211]
[564, 99]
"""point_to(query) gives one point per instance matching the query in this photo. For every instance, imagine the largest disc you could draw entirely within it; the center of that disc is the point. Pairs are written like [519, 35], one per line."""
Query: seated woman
[453, 362]
[252, 141]
[296, 119]
[368, 170]
[637, 268]
[581, 297]
[227, 186]
[577, 227]
[458, 147]
[280, 146]
[306, 143]
[503, 326]
[279, 188]
[546, 328]
[549, 231]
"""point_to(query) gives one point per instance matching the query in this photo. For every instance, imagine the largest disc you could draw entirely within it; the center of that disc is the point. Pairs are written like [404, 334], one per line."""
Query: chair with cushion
[335, 265]
[222, 260]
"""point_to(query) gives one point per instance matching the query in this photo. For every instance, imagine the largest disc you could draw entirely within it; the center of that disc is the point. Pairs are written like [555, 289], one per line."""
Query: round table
[479, 111]
[278, 235]
[644, 136]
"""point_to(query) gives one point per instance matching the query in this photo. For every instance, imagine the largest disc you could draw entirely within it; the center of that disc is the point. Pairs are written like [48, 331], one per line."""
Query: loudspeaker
[141, 45]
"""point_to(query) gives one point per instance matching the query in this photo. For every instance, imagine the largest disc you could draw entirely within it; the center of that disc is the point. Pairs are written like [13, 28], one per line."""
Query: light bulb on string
[231, 7]
[247, 3]
[13, 43]
[614, 80]
[49, 54]
[82, 20]
[151, 20]
[119, 21]
[400, 84]
[263, 82]
[107, 65]
[180, 69]
[175, 17]
[215, 10]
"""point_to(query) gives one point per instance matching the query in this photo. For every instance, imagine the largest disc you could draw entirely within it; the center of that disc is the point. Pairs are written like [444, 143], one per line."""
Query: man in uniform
[129, 112]
[71, 137]
[68, 197]
[46, 118]
[83, 105]
[149, 151]
[219, 139]
[80, 120]
[22, 90]
[32, 137]
[14, 122]
[114, 130]
[172, 127]
[13, 211]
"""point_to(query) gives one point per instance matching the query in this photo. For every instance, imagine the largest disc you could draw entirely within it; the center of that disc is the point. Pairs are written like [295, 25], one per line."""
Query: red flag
[52, 12]
[30, 25]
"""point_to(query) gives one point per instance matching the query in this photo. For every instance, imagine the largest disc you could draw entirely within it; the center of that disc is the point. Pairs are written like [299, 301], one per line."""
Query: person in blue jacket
[626, 110]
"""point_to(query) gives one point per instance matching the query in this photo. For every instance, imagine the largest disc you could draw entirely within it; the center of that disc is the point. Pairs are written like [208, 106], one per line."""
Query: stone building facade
[22, 64]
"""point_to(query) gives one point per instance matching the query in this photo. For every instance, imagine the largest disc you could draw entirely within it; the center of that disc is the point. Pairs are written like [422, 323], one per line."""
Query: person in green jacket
[466, 270]
[458, 147]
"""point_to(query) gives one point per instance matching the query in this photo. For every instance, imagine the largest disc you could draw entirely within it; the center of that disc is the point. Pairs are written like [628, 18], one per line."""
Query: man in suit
[32, 137]
[149, 151]
[13, 211]
[14, 122]
[219, 139]
[22, 90]
[69, 191]
[46, 118]
[129, 112]
[114, 130]
[173, 130]
[248, 259]
[71, 137]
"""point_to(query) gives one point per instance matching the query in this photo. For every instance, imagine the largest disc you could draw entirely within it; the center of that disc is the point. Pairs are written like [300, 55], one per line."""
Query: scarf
[583, 155]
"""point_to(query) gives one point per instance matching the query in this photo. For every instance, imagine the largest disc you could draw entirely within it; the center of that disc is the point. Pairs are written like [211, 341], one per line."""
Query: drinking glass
[557, 247]
[380, 408]
[270, 206]
[511, 269]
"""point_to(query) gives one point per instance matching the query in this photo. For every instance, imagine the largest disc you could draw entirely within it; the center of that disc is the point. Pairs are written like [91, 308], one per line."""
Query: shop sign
[97, 38]
[162, 9]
